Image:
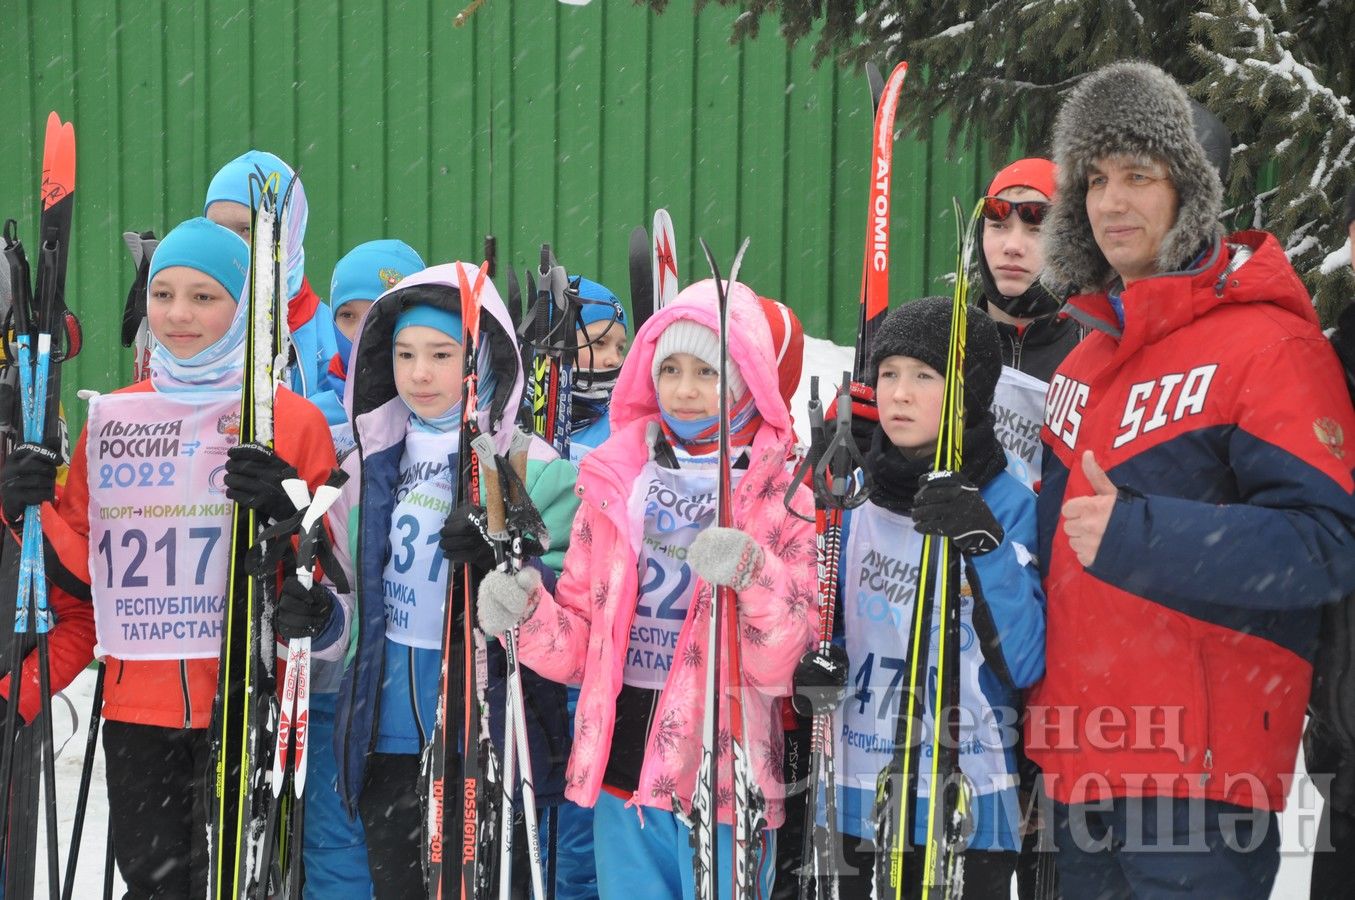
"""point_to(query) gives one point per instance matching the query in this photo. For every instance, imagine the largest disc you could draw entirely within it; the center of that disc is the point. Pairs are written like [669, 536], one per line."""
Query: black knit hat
[921, 329]
[1350, 206]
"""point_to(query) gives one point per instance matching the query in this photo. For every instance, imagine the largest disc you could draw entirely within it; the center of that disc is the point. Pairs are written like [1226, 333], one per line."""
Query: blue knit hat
[446, 321]
[231, 182]
[608, 307]
[208, 247]
[369, 270]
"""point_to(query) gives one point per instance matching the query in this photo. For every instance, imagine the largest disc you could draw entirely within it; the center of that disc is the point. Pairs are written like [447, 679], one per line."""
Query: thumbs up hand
[1085, 518]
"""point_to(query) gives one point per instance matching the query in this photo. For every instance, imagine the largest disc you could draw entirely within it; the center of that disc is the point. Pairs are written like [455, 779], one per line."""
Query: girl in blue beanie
[227, 204]
[363, 274]
[148, 503]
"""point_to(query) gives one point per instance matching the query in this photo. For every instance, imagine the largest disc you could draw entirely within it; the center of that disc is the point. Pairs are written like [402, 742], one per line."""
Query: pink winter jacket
[580, 634]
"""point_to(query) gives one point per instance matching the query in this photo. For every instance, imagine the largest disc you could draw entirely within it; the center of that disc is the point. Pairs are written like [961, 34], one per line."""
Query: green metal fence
[536, 122]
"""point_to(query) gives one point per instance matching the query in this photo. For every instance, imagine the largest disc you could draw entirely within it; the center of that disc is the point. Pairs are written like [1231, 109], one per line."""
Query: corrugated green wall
[536, 122]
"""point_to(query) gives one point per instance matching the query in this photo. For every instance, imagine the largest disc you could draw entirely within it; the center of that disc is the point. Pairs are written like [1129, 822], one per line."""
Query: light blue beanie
[208, 247]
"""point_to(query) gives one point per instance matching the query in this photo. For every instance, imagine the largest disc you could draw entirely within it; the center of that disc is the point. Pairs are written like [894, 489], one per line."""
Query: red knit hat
[1032, 172]
[788, 345]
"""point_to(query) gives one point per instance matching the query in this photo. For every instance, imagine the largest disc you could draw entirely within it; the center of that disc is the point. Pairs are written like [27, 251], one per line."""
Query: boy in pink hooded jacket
[628, 618]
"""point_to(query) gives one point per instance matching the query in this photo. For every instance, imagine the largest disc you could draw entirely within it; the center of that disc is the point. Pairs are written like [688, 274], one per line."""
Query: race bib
[1018, 407]
[414, 583]
[344, 442]
[880, 575]
[669, 507]
[159, 535]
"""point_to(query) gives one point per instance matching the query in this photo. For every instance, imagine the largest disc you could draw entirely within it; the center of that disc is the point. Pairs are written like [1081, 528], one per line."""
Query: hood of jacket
[374, 406]
[1250, 267]
[750, 348]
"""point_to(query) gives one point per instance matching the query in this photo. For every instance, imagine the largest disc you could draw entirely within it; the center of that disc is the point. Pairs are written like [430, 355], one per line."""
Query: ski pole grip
[496, 515]
[517, 455]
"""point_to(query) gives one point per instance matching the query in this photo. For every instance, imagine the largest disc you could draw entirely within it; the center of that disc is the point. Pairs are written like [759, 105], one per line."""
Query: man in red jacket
[1196, 511]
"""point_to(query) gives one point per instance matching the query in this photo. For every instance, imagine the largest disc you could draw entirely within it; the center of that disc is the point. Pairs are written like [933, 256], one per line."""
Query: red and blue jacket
[1178, 663]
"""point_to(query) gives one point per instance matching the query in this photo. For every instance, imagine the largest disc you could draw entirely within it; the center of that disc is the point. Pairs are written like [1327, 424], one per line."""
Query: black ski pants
[392, 817]
[158, 807]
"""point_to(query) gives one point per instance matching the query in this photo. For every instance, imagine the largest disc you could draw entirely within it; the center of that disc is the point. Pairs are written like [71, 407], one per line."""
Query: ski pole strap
[274, 545]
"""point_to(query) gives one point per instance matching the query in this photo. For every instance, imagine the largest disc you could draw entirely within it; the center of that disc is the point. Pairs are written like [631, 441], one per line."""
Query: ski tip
[738, 261]
[58, 161]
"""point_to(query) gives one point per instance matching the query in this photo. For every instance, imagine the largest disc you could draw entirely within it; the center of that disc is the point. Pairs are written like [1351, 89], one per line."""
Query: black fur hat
[921, 329]
[1134, 109]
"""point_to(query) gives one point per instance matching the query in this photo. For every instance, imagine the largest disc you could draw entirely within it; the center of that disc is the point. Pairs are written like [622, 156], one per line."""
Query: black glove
[254, 476]
[946, 504]
[302, 612]
[820, 681]
[28, 478]
[463, 543]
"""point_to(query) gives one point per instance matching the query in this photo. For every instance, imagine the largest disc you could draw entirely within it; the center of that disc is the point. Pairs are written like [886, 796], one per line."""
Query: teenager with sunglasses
[1034, 340]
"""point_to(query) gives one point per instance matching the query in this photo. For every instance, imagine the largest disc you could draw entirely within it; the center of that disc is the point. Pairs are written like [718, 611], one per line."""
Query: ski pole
[86, 776]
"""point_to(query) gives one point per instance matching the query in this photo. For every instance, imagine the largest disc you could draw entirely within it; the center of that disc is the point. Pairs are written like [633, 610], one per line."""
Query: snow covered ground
[90, 866]
[1298, 824]
[822, 358]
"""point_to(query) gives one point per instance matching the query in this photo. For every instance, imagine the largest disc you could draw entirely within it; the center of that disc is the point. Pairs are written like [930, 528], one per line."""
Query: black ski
[44, 336]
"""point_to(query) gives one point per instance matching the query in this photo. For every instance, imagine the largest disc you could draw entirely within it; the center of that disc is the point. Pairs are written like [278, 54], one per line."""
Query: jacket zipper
[183, 685]
[1208, 724]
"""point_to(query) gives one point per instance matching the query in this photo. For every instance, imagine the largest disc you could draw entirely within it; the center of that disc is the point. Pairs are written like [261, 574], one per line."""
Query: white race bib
[414, 582]
[159, 535]
[669, 507]
[880, 574]
[1018, 406]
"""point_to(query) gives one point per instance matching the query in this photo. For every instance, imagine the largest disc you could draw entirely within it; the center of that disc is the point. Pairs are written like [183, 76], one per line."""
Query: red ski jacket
[1178, 663]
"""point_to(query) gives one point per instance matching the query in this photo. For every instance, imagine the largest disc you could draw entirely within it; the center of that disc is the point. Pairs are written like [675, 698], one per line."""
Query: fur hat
[1134, 109]
[921, 329]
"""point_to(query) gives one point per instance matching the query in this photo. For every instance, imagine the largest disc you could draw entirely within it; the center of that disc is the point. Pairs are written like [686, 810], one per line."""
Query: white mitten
[503, 598]
[726, 556]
